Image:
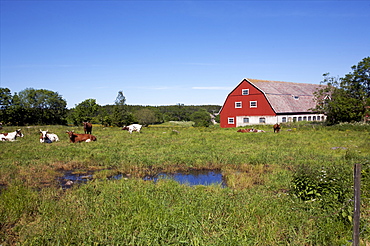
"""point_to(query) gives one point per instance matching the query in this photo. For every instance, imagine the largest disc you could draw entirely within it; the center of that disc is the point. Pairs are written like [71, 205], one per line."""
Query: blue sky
[170, 52]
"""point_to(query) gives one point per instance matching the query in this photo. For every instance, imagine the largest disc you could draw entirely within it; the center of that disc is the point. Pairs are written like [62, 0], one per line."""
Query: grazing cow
[11, 136]
[132, 128]
[76, 138]
[47, 137]
[276, 128]
[250, 130]
[87, 127]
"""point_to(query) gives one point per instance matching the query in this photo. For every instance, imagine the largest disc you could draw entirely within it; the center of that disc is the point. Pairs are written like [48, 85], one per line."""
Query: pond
[191, 178]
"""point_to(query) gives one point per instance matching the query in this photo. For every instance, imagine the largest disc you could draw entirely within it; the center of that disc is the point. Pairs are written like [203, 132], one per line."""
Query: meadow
[287, 188]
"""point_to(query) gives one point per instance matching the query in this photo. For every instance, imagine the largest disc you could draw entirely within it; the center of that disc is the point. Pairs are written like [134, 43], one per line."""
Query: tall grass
[257, 207]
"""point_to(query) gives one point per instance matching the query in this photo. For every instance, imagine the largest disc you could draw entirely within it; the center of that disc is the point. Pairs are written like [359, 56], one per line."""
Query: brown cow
[76, 138]
[87, 127]
[250, 130]
[276, 128]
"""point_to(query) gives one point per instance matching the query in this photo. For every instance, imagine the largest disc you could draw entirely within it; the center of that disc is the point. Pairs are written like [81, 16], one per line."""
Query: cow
[47, 137]
[76, 138]
[276, 128]
[245, 130]
[87, 127]
[11, 136]
[250, 130]
[132, 128]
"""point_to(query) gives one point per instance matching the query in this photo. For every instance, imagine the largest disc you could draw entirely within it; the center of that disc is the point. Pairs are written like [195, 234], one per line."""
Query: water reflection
[192, 178]
[189, 178]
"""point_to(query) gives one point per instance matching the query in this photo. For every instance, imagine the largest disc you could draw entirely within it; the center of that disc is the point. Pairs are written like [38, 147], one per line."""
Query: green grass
[255, 209]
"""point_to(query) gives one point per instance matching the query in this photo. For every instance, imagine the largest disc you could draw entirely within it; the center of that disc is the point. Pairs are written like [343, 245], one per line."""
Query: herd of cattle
[47, 137]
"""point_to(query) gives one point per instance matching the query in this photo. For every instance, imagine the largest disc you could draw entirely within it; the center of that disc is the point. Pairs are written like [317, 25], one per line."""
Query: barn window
[300, 118]
[238, 104]
[230, 120]
[245, 120]
[262, 120]
[245, 92]
[283, 119]
[253, 104]
[314, 118]
[309, 118]
[304, 118]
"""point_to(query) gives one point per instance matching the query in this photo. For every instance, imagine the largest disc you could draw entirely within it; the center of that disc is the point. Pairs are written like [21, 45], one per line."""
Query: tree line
[44, 107]
[344, 99]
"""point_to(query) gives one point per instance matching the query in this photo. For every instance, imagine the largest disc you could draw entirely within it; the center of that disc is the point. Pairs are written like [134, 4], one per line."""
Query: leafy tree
[201, 118]
[5, 103]
[145, 116]
[85, 111]
[121, 116]
[35, 106]
[346, 99]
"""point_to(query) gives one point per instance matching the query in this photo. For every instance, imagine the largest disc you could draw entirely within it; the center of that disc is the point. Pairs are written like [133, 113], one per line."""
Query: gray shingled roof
[287, 97]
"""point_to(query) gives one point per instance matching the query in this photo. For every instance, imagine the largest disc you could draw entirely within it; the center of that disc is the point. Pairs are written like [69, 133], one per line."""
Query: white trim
[250, 104]
[243, 90]
[239, 102]
[229, 119]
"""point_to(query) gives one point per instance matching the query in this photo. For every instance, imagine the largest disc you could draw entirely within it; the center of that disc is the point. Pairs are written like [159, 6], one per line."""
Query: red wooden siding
[229, 109]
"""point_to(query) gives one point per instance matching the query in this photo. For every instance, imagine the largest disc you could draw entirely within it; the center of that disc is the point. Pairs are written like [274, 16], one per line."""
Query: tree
[85, 111]
[201, 118]
[346, 99]
[120, 115]
[145, 116]
[36, 106]
[5, 103]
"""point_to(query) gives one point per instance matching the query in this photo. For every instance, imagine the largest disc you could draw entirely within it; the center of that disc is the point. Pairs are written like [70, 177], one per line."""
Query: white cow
[132, 128]
[11, 136]
[47, 137]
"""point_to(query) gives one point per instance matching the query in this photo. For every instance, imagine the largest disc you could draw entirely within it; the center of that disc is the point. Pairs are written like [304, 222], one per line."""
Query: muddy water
[190, 178]
[69, 179]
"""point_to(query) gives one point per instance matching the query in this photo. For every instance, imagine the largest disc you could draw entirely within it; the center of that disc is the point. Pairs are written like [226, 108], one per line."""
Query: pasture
[263, 204]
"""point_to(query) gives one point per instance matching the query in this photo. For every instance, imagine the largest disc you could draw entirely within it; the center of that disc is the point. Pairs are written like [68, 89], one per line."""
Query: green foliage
[201, 118]
[145, 116]
[346, 99]
[84, 111]
[32, 106]
[330, 187]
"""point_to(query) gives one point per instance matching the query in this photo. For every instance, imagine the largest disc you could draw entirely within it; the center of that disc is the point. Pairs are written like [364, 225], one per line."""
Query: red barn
[255, 102]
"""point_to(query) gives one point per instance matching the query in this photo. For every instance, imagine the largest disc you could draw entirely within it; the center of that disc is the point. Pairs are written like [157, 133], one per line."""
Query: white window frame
[230, 120]
[253, 102]
[262, 120]
[238, 104]
[245, 92]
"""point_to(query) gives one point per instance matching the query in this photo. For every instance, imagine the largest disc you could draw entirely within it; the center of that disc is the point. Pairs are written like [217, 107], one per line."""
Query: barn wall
[230, 111]
[270, 120]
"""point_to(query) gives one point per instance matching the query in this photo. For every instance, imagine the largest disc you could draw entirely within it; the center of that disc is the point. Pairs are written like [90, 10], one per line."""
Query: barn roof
[287, 97]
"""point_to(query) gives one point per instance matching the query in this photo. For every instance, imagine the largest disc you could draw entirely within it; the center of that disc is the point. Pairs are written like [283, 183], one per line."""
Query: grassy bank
[259, 206]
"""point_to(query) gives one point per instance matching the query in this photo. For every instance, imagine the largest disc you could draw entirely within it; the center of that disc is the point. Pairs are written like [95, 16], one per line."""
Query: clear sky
[170, 52]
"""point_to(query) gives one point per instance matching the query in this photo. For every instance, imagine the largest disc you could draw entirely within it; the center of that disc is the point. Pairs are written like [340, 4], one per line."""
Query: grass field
[290, 188]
